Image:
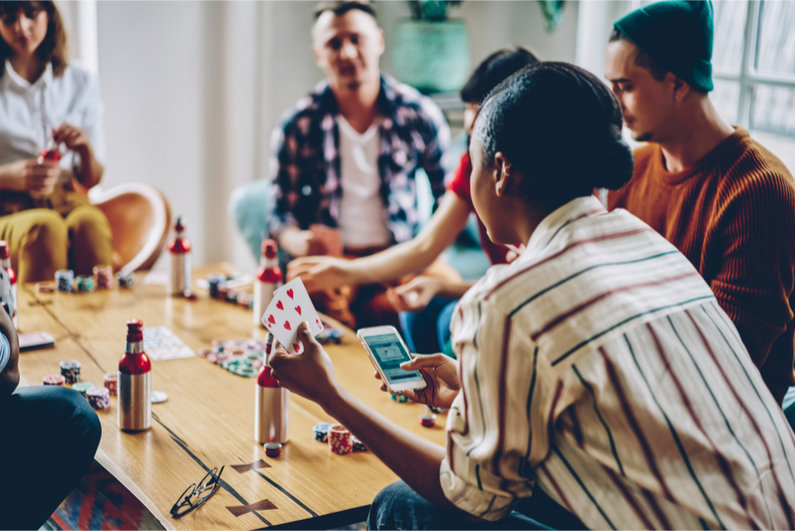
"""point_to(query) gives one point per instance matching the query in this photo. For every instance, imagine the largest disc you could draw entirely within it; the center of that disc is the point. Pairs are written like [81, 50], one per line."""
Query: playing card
[161, 344]
[290, 307]
[329, 238]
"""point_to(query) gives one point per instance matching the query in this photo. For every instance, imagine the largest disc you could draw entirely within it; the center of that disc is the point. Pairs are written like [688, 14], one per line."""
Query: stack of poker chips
[64, 280]
[70, 370]
[358, 446]
[273, 449]
[126, 280]
[339, 440]
[103, 277]
[82, 387]
[321, 431]
[85, 283]
[111, 382]
[214, 282]
[53, 379]
[401, 398]
[428, 420]
[98, 397]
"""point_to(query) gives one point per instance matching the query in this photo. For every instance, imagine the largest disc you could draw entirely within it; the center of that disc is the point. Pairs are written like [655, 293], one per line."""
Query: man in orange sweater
[723, 200]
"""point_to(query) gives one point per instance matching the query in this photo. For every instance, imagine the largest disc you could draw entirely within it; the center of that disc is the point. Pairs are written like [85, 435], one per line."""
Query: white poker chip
[158, 397]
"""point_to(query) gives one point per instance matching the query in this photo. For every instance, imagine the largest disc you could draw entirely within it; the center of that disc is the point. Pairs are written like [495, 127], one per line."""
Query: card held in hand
[290, 307]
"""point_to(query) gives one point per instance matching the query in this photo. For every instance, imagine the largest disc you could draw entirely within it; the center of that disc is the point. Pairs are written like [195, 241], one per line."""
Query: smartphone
[387, 351]
[35, 340]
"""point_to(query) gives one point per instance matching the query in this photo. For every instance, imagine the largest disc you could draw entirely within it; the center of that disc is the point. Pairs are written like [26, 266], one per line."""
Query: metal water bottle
[179, 248]
[269, 278]
[271, 404]
[5, 263]
[135, 382]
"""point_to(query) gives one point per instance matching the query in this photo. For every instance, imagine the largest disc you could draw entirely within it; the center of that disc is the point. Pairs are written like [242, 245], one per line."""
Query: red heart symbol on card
[271, 320]
[287, 325]
[290, 293]
[318, 323]
[298, 309]
[296, 346]
[280, 305]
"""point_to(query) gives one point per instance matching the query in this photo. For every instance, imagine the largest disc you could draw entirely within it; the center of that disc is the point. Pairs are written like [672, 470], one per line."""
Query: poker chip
[243, 300]
[98, 397]
[70, 370]
[330, 335]
[401, 398]
[437, 410]
[53, 379]
[231, 296]
[204, 352]
[339, 440]
[158, 397]
[45, 287]
[111, 383]
[85, 283]
[321, 431]
[273, 449]
[125, 280]
[428, 420]
[64, 280]
[358, 446]
[82, 387]
[214, 282]
[243, 357]
[103, 277]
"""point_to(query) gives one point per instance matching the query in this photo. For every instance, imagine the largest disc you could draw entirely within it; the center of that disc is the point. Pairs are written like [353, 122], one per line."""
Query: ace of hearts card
[290, 307]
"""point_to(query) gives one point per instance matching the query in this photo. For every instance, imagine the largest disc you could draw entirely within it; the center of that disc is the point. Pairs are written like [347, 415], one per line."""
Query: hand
[30, 176]
[441, 380]
[414, 296]
[320, 272]
[299, 242]
[73, 137]
[309, 374]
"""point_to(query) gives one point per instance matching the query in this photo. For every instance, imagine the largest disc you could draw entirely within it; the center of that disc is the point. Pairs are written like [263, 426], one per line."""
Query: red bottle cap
[269, 249]
[3, 250]
[135, 330]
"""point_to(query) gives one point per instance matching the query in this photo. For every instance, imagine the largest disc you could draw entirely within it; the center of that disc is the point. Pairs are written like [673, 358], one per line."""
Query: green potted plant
[431, 50]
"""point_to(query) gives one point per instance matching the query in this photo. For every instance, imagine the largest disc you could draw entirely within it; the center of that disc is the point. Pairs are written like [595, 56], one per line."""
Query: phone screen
[389, 354]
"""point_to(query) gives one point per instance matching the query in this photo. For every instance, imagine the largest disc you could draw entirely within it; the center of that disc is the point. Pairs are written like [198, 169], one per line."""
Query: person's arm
[88, 171]
[754, 277]
[440, 232]
[415, 295]
[9, 375]
[414, 459]
[436, 159]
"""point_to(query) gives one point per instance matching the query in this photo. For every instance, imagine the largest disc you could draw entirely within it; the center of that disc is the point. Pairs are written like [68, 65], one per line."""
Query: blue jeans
[428, 331]
[49, 438]
[399, 507]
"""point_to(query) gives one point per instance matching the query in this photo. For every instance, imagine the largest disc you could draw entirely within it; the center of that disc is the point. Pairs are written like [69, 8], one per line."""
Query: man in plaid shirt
[346, 155]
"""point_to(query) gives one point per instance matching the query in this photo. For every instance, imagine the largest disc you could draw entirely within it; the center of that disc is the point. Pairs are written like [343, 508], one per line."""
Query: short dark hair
[340, 7]
[560, 127]
[642, 59]
[495, 69]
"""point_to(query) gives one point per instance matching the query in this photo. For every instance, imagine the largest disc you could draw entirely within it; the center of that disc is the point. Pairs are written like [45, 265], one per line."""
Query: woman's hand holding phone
[441, 377]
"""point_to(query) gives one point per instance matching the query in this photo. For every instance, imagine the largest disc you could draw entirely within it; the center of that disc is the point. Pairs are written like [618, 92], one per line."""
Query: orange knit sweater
[733, 215]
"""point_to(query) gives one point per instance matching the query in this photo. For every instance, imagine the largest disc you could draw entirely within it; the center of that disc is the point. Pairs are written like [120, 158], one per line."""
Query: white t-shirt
[362, 211]
[30, 111]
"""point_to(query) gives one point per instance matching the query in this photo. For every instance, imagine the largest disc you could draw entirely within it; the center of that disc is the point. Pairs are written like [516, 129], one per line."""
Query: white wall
[193, 89]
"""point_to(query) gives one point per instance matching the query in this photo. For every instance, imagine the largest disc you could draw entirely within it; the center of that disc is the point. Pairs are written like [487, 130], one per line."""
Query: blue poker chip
[321, 431]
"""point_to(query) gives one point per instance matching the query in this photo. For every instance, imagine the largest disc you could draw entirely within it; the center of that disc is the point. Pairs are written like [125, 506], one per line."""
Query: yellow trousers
[43, 241]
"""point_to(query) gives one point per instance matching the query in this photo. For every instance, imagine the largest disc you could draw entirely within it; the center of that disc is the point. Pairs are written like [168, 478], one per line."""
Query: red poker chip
[273, 449]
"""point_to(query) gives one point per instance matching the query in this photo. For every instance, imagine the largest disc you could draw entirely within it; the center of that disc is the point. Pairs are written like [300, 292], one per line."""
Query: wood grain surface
[208, 420]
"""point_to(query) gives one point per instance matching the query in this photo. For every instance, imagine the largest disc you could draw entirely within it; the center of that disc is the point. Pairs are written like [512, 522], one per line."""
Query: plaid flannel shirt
[305, 160]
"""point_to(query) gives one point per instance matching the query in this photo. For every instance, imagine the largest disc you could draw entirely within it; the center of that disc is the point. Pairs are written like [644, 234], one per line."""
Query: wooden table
[208, 420]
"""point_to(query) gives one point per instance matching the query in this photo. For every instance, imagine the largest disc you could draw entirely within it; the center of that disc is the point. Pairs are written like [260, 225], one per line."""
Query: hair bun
[612, 164]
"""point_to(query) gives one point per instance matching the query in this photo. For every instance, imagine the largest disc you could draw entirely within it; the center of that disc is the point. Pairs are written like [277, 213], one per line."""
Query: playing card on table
[290, 307]
[161, 344]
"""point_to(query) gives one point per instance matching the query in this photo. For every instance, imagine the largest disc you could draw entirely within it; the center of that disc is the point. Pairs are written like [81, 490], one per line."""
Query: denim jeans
[399, 507]
[48, 438]
[428, 331]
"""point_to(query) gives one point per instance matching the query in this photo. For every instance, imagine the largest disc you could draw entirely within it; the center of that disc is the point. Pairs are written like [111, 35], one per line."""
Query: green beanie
[677, 35]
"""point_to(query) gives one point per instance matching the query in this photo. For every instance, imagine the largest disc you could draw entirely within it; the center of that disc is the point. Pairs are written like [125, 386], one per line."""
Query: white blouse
[30, 111]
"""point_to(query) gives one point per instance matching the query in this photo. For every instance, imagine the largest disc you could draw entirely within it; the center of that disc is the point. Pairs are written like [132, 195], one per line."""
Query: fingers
[307, 337]
[423, 361]
[377, 375]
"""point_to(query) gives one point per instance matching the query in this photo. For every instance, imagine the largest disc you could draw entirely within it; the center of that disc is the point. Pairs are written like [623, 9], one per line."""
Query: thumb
[306, 336]
[421, 361]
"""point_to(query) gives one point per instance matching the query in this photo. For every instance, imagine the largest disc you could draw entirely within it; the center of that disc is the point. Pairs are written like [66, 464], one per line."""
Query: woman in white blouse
[46, 103]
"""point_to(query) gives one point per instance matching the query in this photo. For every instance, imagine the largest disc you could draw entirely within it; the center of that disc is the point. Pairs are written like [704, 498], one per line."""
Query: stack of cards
[289, 308]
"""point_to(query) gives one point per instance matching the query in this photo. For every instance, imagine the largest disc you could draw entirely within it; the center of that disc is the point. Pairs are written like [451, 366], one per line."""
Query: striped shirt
[611, 378]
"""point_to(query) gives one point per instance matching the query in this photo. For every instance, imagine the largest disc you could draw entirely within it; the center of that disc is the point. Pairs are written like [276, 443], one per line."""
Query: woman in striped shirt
[596, 374]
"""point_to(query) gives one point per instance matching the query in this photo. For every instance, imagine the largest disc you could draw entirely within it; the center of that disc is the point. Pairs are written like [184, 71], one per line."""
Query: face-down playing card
[290, 307]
